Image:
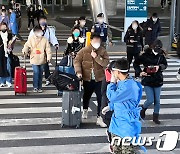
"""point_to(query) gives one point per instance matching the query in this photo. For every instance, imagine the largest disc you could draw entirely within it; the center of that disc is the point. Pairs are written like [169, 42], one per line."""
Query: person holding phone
[134, 41]
[155, 63]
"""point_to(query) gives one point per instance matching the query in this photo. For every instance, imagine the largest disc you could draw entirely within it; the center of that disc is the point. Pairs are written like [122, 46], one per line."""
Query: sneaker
[9, 84]
[85, 114]
[2, 85]
[178, 76]
[40, 90]
[29, 29]
[47, 83]
[100, 122]
[35, 90]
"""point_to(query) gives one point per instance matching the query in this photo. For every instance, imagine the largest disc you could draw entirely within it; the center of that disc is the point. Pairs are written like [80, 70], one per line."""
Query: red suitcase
[20, 80]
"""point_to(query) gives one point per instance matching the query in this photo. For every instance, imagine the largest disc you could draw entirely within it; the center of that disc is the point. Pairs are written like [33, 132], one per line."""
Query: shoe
[35, 90]
[143, 113]
[40, 90]
[178, 76]
[85, 114]
[29, 29]
[100, 122]
[9, 84]
[156, 118]
[47, 83]
[2, 85]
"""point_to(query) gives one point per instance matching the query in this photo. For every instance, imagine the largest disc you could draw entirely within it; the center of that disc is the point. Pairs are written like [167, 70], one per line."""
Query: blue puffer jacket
[124, 99]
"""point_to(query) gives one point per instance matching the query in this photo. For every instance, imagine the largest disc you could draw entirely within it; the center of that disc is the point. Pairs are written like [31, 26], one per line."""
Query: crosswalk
[31, 124]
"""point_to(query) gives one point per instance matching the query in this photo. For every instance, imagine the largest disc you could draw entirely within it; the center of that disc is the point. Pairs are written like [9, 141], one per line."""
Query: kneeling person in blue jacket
[124, 94]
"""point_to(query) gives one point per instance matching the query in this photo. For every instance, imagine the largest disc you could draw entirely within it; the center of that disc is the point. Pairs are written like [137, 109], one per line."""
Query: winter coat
[3, 58]
[74, 45]
[13, 23]
[150, 59]
[137, 46]
[124, 100]
[5, 19]
[84, 63]
[151, 36]
[39, 50]
[31, 14]
[39, 13]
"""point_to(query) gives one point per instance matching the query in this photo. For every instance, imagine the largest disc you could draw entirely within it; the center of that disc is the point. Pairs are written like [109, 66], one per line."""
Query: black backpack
[64, 81]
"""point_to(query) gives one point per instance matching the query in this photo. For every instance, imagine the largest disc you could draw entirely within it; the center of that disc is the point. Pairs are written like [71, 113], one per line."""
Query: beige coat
[39, 50]
[84, 63]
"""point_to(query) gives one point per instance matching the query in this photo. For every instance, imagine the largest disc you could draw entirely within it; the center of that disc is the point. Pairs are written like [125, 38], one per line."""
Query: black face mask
[4, 30]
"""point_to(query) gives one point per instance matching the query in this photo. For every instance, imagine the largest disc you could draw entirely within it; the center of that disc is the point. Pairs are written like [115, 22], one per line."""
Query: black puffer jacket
[150, 59]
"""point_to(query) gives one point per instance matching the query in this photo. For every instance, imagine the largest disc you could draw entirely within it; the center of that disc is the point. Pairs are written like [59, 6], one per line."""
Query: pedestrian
[18, 15]
[39, 13]
[12, 4]
[103, 30]
[124, 94]
[49, 34]
[154, 63]
[5, 63]
[105, 101]
[13, 22]
[152, 29]
[75, 42]
[163, 3]
[31, 16]
[4, 18]
[134, 41]
[81, 22]
[89, 65]
[38, 48]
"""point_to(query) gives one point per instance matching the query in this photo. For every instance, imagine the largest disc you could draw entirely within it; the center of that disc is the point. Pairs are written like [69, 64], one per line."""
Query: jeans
[37, 76]
[89, 88]
[46, 70]
[152, 96]
[3, 80]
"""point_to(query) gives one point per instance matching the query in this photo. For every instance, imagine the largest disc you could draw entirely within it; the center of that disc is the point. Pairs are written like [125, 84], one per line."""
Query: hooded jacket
[124, 100]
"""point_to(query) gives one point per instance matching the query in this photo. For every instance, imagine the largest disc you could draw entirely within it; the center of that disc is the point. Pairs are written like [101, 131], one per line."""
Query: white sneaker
[100, 122]
[178, 76]
[2, 85]
[47, 83]
[9, 84]
[85, 114]
[40, 90]
[35, 90]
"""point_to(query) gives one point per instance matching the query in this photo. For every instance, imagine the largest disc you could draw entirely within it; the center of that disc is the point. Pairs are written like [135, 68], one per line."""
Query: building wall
[76, 2]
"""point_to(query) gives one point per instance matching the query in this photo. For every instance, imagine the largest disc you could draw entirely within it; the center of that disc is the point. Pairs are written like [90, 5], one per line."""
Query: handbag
[152, 69]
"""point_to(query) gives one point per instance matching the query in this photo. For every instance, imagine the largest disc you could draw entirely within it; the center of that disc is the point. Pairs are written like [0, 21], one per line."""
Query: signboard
[134, 10]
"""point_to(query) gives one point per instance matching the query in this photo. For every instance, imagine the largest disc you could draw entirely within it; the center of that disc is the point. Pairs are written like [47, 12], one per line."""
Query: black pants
[163, 3]
[89, 88]
[46, 70]
[131, 55]
[30, 20]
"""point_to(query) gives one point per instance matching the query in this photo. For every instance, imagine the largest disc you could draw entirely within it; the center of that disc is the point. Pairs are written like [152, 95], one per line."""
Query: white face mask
[101, 21]
[134, 26]
[154, 19]
[96, 45]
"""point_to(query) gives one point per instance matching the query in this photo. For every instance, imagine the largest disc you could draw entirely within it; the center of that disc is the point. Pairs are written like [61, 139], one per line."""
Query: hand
[113, 79]
[157, 68]
[149, 28]
[79, 76]
[110, 44]
[56, 47]
[143, 74]
[131, 41]
[93, 54]
[105, 110]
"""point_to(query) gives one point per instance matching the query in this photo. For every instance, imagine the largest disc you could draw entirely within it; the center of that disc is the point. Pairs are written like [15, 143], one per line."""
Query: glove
[105, 110]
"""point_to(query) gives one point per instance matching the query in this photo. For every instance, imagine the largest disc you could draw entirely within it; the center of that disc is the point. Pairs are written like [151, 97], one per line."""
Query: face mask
[154, 19]
[43, 23]
[101, 21]
[76, 34]
[4, 30]
[96, 45]
[82, 23]
[134, 26]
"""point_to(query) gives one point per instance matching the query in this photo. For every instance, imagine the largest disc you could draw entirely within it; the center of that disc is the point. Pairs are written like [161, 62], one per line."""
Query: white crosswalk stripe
[31, 124]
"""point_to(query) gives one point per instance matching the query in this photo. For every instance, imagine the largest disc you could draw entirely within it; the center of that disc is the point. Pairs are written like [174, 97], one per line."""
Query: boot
[156, 118]
[142, 113]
